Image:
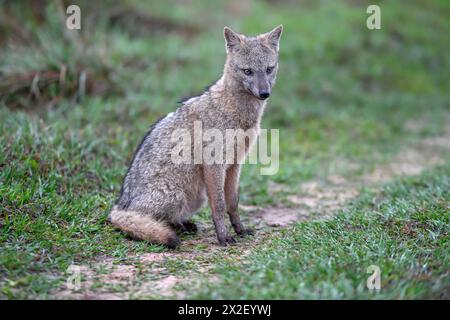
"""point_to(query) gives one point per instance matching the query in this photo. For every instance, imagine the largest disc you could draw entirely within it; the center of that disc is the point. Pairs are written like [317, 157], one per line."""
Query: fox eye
[269, 70]
[248, 72]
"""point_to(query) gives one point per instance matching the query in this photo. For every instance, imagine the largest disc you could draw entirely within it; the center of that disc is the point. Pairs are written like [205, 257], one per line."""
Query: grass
[344, 96]
[403, 230]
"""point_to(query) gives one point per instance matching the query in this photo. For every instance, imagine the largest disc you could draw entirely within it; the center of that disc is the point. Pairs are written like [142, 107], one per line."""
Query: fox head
[252, 62]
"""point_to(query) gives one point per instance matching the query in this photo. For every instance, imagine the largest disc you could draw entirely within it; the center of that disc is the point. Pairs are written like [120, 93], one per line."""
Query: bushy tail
[143, 226]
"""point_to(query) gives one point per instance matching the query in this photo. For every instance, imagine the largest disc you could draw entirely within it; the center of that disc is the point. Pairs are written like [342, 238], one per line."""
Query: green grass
[344, 96]
[404, 230]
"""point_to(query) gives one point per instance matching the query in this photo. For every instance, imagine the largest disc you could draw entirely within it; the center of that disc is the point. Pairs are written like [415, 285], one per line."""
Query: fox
[159, 197]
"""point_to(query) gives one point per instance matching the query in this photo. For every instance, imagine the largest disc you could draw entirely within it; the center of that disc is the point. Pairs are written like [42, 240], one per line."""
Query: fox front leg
[215, 180]
[232, 199]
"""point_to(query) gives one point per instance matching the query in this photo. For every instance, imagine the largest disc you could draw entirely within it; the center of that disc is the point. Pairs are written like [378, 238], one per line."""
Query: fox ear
[273, 37]
[232, 39]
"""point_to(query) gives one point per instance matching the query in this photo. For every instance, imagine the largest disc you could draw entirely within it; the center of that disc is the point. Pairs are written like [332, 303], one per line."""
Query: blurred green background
[75, 104]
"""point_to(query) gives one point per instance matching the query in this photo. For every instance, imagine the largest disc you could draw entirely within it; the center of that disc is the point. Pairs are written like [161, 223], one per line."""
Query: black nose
[264, 95]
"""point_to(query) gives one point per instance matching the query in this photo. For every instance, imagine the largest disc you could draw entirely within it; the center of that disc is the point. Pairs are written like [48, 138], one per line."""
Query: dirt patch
[104, 273]
[104, 281]
[280, 217]
[145, 276]
[119, 275]
[162, 287]
[411, 161]
[315, 197]
[147, 258]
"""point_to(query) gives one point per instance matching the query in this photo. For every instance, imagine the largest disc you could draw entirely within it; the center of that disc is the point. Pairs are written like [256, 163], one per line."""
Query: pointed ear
[232, 39]
[273, 37]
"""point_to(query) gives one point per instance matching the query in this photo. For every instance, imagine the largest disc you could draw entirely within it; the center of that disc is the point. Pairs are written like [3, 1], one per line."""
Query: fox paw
[227, 241]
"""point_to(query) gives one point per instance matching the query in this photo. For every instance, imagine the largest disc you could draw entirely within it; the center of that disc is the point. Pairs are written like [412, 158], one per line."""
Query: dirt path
[153, 275]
